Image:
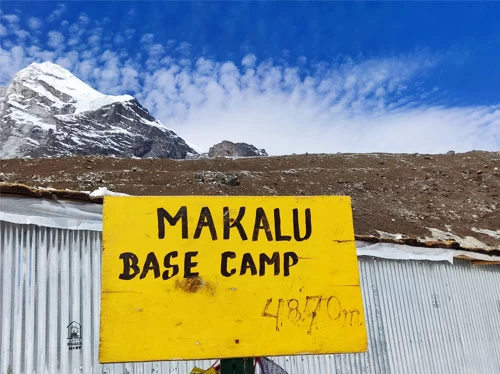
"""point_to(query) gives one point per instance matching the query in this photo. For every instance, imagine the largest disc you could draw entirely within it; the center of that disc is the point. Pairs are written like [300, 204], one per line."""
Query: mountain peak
[62, 87]
[47, 68]
[49, 112]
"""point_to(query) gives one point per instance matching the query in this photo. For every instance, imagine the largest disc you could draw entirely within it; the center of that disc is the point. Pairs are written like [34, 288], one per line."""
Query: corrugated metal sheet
[422, 317]
[50, 278]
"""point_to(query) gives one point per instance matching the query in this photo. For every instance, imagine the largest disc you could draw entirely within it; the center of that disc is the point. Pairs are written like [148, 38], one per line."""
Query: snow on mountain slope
[71, 90]
[47, 111]
[2, 97]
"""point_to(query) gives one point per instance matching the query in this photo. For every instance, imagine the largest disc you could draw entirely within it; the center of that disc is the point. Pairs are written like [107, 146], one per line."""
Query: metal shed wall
[422, 317]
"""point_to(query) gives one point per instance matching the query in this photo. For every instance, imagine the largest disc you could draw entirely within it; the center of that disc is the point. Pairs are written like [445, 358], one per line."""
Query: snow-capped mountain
[48, 112]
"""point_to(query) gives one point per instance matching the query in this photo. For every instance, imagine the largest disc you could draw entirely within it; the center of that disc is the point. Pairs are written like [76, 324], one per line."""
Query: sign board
[197, 277]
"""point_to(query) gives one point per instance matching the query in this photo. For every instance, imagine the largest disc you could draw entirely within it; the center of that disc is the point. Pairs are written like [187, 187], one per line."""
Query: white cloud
[184, 48]
[55, 39]
[282, 128]
[249, 61]
[362, 105]
[338, 108]
[156, 50]
[84, 19]
[95, 36]
[10, 18]
[129, 33]
[34, 23]
[22, 34]
[11, 61]
[57, 13]
[147, 38]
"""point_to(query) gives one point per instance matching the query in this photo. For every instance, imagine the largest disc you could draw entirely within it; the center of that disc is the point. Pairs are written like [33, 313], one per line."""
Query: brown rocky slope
[451, 199]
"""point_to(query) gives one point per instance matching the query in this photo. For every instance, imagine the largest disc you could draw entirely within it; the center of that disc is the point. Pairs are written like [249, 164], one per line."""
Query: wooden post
[236, 366]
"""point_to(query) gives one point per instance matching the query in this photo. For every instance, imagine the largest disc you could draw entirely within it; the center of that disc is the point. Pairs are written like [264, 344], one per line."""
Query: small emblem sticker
[74, 335]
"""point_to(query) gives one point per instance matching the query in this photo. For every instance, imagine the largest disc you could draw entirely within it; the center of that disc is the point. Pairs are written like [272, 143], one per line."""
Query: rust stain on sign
[190, 285]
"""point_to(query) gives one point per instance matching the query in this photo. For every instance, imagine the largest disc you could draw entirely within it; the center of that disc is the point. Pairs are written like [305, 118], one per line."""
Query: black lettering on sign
[261, 223]
[223, 264]
[276, 316]
[274, 259]
[229, 223]
[289, 259]
[294, 314]
[247, 265]
[166, 262]
[131, 265]
[247, 262]
[296, 228]
[351, 317]
[314, 313]
[151, 263]
[204, 221]
[310, 315]
[188, 265]
[130, 262]
[277, 227]
[164, 215]
[334, 307]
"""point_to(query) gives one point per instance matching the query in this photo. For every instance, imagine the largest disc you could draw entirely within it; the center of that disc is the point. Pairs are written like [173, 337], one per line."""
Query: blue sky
[291, 77]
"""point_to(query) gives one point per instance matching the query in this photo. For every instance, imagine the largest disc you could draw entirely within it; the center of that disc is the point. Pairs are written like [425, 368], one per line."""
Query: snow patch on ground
[103, 191]
[389, 236]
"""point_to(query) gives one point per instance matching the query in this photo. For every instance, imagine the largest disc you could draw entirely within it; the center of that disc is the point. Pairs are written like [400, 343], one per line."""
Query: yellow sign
[196, 277]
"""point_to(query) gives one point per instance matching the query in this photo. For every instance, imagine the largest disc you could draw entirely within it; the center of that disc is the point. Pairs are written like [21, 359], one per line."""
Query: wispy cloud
[349, 105]
[10, 18]
[55, 40]
[348, 108]
[57, 12]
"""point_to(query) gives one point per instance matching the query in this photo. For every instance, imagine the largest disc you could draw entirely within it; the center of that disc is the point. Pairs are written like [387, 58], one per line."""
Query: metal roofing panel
[422, 317]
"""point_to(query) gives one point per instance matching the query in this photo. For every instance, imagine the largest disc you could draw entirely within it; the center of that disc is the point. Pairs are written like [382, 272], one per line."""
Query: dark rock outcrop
[230, 149]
